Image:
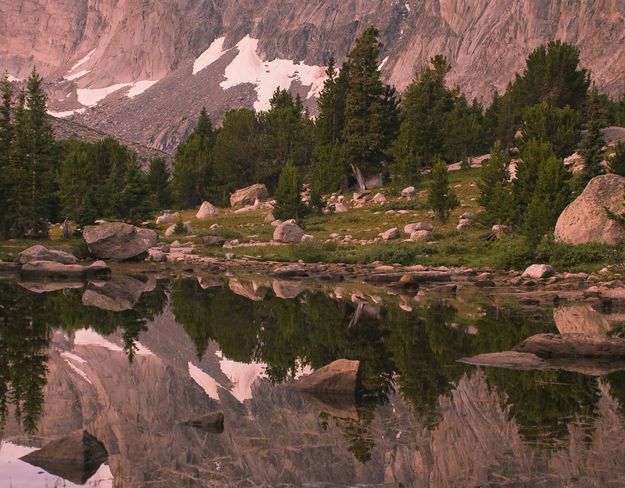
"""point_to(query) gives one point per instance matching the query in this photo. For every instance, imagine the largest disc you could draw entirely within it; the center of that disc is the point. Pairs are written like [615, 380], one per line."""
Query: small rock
[269, 218]
[410, 228]
[213, 241]
[391, 234]
[539, 271]
[207, 210]
[308, 238]
[419, 235]
[288, 232]
[167, 218]
[340, 208]
[379, 199]
[408, 192]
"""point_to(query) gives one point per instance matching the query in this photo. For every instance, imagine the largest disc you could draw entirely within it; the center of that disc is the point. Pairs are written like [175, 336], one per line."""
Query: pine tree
[551, 196]
[460, 131]
[495, 187]
[193, 172]
[40, 156]
[331, 105]
[19, 199]
[288, 194]
[591, 149]
[557, 126]
[441, 198]
[135, 196]
[617, 161]
[370, 109]
[533, 155]
[158, 181]
[424, 106]
[6, 136]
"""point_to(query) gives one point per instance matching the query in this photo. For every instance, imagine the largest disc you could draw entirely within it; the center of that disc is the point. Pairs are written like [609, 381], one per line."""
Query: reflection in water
[419, 422]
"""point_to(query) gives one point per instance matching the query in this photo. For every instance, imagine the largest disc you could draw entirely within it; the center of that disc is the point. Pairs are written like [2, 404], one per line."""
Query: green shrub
[404, 205]
[514, 252]
[568, 256]
[225, 233]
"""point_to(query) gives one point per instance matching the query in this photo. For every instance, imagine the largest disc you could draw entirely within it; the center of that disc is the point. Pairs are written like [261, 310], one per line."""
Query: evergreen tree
[135, 197]
[6, 137]
[158, 181]
[461, 130]
[288, 194]
[556, 126]
[370, 108]
[495, 187]
[424, 105]
[193, 171]
[236, 152]
[286, 135]
[617, 161]
[19, 199]
[591, 149]
[441, 198]
[551, 196]
[330, 122]
[533, 155]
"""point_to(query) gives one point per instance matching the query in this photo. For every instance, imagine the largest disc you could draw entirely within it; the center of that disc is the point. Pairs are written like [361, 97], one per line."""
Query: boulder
[539, 271]
[248, 195]
[410, 228]
[117, 295]
[339, 377]
[167, 218]
[573, 346]
[419, 235]
[507, 359]
[379, 199]
[269, 218]
[207, 210]
[155, 254]
[468, 216]
[465, 224]
[586, 220]
[211, 422]
[409, 191]
[308, 238]
[248, 289]
[340, 208]
[581, 319]
[118, 241]
[288, 232]
[75, 458]
[213, 241]
[171, 230]
[391, 234]
[59, 271]
[42, 253]
[287, 289]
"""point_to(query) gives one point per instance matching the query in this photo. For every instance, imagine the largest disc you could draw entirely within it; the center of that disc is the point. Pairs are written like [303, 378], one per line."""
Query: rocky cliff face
[147, 67]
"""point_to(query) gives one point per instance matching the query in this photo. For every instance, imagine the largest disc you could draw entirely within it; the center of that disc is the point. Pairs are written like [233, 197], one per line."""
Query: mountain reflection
[406, 356]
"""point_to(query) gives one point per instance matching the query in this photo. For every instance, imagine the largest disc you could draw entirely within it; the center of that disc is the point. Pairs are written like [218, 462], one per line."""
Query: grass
[445, 246]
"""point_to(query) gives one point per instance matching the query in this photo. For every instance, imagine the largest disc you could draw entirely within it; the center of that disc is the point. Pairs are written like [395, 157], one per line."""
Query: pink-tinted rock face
[124, 42]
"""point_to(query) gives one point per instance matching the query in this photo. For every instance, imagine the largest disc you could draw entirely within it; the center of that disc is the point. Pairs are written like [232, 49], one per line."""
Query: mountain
[141, 70]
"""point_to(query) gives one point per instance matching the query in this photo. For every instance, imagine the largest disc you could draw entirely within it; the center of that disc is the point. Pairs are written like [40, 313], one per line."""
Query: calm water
[131, 360]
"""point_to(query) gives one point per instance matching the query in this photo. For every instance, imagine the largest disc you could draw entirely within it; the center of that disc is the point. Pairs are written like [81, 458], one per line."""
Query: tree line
[362, 128]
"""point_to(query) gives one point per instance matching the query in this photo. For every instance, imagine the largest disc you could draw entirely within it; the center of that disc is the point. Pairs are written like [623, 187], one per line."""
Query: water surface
[131, 360]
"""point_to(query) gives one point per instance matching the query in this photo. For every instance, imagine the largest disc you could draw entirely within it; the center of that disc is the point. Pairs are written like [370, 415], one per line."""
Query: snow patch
[142, 350]
[78, 371]
[15, 472]
[73, 357]
[407, 5]
[92, 96]
[77, 75]
[81, 61]
[13, 78]
[242, 376]
[139, 87]
[247, 67]
[208, 57]
[383, 63]
[89, 337]
[68, 113]
[206, 382]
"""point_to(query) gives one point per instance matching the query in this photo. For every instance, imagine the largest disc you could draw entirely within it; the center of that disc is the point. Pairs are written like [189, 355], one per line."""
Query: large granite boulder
[42, 253]
[249, 195]
[288, 232]
[338, 377]
[118, 241]
[586, 219]
[539, 271]
[207, 210]
[75, 458]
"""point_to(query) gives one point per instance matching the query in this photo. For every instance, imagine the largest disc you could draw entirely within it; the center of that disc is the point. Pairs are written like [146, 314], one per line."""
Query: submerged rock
[117, 295]
[42, 253]
[118, 241]
[339, 377]
[211, 422]
[75, 458]
[58, 271]
[572, 346]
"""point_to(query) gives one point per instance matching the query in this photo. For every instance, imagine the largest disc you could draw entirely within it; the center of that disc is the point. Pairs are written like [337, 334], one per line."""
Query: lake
[131, 360]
